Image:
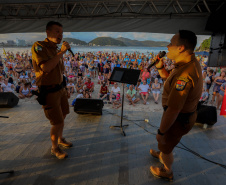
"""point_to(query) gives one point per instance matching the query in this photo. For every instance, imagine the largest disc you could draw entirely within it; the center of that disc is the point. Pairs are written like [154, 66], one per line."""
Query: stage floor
[100, 155]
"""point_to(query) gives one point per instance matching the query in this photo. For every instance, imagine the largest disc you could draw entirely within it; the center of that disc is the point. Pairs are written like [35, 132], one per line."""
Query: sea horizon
[95, 49]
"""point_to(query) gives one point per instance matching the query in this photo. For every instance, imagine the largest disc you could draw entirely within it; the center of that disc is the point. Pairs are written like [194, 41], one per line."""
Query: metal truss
[109, 9]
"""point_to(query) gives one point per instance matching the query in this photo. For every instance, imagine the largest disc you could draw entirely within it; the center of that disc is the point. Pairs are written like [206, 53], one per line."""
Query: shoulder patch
[181, 83]
[38, 48]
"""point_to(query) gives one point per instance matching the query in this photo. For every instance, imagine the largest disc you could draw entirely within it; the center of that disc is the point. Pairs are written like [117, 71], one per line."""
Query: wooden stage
[100, 155]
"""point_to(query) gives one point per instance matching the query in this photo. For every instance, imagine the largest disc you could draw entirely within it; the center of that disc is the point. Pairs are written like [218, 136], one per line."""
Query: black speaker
[88, 106]
[217, 54]
[207, 115]
[216, 19]
[8, 100]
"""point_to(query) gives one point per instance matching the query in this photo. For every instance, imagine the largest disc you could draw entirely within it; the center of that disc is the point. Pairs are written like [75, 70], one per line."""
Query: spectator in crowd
[7, 87]
[114, 91]
[70, 87]
[71, 75]
[87, 94]
[221, 95]
[18, 69]
[24, 76]
[100, 78]
[91, 66]
[154, 74]
[89, 85]
[18, 87]
[25, 91]
[156, 90]
[210, 80]
[216, 89]
[205, 79]
[117, 102]
[204, 97]
[130, 95]
[103, 91]
[145, 75]
[34, 86]
[144, 90]
[80, 74]
[79, 86]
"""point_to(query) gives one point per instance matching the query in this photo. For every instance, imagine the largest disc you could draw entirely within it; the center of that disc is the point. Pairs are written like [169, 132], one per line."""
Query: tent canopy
[156, 16]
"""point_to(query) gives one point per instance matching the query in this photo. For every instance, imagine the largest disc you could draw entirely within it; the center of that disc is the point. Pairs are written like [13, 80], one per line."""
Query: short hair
[51, 23]
[188, 39]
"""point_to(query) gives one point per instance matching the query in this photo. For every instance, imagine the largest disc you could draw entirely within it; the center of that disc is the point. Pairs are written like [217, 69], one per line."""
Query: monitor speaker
[8, 100]
[207, 115]
[88, 106]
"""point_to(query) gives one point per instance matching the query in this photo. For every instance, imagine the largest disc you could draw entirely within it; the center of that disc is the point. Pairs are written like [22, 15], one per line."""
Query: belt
[51, 88]
[182, 117]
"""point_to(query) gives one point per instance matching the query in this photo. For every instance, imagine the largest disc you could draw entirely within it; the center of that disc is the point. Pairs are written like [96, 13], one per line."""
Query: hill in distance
[147, 43]
[121, 41]
[75, 41]
[106, 41]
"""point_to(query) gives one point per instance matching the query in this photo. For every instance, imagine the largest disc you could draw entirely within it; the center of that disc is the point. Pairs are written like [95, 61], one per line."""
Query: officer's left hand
[160, 139]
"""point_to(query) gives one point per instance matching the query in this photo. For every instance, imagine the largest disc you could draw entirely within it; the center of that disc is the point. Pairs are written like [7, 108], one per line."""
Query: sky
[88, 36]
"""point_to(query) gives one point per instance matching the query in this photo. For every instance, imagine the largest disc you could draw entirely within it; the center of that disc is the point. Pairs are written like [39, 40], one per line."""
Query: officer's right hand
[65, 46]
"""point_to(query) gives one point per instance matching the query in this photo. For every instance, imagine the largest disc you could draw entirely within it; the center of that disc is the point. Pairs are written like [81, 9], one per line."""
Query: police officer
[49, 67]
[181, 94]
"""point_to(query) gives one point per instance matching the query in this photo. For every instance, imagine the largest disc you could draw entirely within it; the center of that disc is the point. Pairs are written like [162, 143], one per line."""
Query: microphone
[160, 55]
[70, 51]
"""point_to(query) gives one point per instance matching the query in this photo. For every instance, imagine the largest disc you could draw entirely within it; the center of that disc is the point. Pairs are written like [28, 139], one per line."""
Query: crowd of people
[89, 72]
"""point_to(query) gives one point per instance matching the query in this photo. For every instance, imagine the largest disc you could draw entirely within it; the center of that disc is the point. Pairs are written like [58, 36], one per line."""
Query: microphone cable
[185, 147]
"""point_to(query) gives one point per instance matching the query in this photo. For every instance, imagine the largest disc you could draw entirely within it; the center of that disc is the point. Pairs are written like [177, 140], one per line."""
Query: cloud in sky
[88, 36]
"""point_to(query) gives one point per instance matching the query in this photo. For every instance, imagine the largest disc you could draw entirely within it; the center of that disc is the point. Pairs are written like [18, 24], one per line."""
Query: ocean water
[95, 49]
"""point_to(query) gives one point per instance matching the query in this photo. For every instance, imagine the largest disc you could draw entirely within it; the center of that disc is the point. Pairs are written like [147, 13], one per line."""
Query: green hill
[75, 41]
[121, 41]
[205, 45]
[106, 41]
[147, 43]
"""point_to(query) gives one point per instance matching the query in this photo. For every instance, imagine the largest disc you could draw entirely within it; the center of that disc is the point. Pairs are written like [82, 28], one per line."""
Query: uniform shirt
[183, 88]
[42, 51]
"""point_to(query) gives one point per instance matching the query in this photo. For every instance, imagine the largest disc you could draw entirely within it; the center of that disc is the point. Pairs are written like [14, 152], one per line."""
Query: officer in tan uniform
[49, 67]
[181, 94]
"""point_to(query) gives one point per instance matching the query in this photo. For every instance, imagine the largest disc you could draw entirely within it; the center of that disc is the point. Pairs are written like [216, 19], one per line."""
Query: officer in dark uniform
[49, 67]
[181, 94]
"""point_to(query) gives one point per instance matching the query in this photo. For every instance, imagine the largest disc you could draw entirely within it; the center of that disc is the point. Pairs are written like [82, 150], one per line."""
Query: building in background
[20, 42]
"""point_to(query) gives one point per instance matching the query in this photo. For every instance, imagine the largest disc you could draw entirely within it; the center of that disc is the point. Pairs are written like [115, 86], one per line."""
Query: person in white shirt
[144, 90]
[25, 91]
[71, 87]
[7, 87]
[114, 91]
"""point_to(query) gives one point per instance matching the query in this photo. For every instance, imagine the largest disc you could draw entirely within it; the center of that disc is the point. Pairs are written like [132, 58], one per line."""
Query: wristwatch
[160, 133]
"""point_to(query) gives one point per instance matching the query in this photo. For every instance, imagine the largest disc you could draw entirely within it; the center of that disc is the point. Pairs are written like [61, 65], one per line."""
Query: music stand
[124, 75]
[10, 171]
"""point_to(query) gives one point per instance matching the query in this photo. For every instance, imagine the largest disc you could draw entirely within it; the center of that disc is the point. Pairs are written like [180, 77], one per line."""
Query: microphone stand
[10, 171]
